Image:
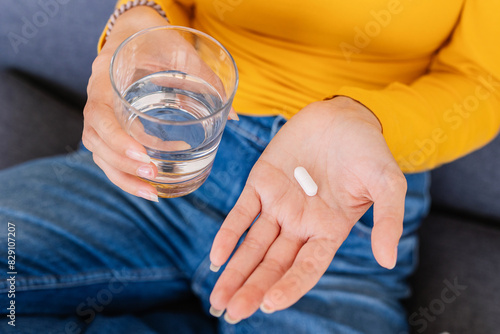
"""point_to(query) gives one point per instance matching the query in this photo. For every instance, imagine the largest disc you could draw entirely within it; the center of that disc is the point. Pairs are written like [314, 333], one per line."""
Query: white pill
[305, 180]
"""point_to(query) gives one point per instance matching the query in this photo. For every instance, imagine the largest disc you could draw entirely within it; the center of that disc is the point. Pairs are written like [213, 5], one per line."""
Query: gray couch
[46, 53]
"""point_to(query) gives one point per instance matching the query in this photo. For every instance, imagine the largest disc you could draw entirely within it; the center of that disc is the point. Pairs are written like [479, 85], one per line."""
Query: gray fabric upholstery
[33, 123]
[53, 43]
[472, 183]
[466, 250]
[53, 40]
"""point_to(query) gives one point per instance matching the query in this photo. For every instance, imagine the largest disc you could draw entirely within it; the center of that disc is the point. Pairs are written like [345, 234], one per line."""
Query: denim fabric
[85, 250]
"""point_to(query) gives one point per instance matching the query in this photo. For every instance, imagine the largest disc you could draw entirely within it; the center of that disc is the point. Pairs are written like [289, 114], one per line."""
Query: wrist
[354, 107]
[130, 22]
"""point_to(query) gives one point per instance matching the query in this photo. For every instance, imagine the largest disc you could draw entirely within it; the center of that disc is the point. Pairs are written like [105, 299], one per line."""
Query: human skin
[295, 238]
[114, 151]
[290, 246]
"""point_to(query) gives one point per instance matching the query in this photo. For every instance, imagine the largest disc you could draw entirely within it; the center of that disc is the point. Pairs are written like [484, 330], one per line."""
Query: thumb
[388, 215]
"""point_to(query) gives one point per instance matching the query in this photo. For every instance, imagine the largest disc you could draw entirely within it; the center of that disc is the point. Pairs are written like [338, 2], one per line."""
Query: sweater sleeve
[178, 13]
[455, 107]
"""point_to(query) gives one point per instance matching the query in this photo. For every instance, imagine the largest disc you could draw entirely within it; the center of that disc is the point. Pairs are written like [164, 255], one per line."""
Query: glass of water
[173, 92]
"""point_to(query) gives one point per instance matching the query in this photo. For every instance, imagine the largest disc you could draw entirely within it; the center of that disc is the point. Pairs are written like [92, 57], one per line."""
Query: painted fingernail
[215, 312]
[214, 268]
[148, 195]
[266, 309]
[138, 156]
[146, 172]
[230, 320]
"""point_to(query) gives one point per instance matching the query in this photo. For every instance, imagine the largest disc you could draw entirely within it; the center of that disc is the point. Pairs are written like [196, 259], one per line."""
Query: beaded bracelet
[131, 4]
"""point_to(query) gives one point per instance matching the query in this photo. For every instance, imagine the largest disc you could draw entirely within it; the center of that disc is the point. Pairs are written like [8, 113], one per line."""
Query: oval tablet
[305, 180]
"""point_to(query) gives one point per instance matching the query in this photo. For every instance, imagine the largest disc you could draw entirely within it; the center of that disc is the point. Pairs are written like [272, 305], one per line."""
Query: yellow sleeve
[454, 108]
[178, 13]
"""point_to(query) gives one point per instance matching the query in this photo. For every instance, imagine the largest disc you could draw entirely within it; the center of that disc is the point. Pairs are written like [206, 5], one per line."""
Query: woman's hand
[119, 155]
[295, 237]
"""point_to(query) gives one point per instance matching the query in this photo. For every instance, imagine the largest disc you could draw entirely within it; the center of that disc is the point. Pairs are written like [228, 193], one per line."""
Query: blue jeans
[91, 258]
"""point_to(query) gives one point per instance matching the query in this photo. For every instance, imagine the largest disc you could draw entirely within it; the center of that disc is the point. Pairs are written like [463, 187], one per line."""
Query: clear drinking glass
[173, 92]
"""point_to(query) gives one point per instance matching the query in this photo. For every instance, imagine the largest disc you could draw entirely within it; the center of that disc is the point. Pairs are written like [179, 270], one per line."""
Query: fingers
[248, 256]
[277, 261]
[388, 215]
[129, 165]
[118, 155]
[310, 264]
[237, 222]
[127, 182]
[101, 118]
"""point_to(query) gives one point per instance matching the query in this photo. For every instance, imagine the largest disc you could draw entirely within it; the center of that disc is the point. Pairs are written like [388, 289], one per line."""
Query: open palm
[295, 237]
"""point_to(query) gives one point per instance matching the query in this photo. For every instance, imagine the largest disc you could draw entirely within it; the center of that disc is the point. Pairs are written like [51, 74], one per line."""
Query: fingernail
[230, 320]
[146, 172]
[266, 309]
[214, 268]
[233, 115]
[395, 261]
[215, 312]
[138, 156]
[148, 195]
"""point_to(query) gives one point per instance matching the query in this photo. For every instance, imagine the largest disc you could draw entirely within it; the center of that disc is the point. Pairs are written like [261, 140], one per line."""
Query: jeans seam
[91, 278]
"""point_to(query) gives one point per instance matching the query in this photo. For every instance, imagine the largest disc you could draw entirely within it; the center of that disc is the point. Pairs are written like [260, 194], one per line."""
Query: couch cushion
[471, 183]
[55, 41]
[456, 287]
[33, 123]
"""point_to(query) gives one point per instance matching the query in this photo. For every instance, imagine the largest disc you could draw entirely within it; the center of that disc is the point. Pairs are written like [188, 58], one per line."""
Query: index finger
[246, 209]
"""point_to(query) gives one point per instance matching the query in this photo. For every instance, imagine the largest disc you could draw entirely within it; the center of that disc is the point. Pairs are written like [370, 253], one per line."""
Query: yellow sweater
[429, 70]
